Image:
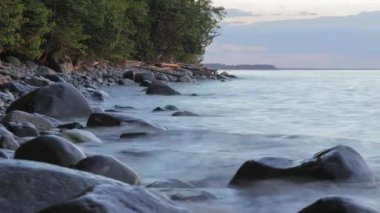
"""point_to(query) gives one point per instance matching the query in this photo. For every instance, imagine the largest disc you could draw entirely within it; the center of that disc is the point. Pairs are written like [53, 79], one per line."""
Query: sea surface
[291, 114]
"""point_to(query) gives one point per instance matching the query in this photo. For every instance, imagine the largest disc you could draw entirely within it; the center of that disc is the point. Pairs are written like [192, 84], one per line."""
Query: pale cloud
[236, 48]
[291, 9]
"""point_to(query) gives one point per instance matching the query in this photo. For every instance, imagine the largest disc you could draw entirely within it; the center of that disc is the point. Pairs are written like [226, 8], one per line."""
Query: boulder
[338, 164]
[42, 70]
[166, 108]
[8, 142]
[185, 79]
[50, 149]
[24, 129]
[42, 123]
[129, 75]
[80, 136]
[6, 154]
[113, 120]
[184, 113]
[58, 100]
[31, 186]
[38, 81]
[160, 88]
[336, 205]
[145, 76]
[162, 77]
[113, 199]
[170, 183]
[108, 166]
[74, 125]
[145, 83]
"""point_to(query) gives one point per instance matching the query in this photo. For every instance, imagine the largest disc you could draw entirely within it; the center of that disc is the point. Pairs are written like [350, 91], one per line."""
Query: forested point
[111, 30]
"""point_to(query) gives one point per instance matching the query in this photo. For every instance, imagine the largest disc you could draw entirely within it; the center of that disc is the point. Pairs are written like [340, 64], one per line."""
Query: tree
[10, 22]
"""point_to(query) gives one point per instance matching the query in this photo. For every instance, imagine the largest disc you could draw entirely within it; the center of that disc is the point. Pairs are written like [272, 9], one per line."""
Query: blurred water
[290, 114]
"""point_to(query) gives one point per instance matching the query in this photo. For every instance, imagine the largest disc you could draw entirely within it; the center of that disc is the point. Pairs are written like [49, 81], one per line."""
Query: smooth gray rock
[80, 136]
[58, 100]
[40, 122]
[8, 142]
[160, 88]
[50, 149]
[338, 164]
[109, 166]
[112, 199]
[23, 129]
[336, 205]
[32, 186]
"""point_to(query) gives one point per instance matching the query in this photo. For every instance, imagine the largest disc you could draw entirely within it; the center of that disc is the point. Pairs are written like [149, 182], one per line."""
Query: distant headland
[217, 66]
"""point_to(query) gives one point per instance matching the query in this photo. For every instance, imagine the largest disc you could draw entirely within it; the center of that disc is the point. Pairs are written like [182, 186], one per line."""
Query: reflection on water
[262, 114]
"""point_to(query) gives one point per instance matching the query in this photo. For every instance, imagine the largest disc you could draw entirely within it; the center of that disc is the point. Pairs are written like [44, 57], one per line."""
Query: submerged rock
[336, 205]
[160, 88]
[80, 136]
[31, 186]
[58, 100]
[114, 199]
[109, 166]
[170, 183]
[184, 113]
[50, 149]
[339, 164]
[115, 120]
[133, 135]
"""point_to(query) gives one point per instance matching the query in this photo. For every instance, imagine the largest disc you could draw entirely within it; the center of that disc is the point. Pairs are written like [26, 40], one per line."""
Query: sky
[299, 33]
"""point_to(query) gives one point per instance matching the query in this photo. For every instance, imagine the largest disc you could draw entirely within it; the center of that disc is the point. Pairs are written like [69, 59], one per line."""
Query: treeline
[114, 30]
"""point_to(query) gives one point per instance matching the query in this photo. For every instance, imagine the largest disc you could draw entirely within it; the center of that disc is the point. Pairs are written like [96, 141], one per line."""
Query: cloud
[240, 13]
[237, 48]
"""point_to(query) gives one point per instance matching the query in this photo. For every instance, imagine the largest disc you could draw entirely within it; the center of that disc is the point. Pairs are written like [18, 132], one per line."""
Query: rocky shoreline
[44, 169]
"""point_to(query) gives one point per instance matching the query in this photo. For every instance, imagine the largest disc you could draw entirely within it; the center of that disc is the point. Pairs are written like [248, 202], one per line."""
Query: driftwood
[161, 70]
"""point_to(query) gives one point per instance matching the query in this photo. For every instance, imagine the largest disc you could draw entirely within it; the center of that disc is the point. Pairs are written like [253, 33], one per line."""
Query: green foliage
[10, 22]
[148, 30]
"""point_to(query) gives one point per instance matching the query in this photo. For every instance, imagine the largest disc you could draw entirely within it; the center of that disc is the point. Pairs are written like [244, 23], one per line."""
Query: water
[291, 114]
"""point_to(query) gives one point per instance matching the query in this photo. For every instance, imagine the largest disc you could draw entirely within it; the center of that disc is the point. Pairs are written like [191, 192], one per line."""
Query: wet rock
[228, 75]
[336, 205]
[123, 107]
[145, 83]
[31, 186]
[159, 109]
[185, 79]
[146, 76]
[74, 125]
[54, 78]
[171, 183]
[42, 123]
[6, 154]
[160, 88]
[24, 129]
[38, 81]
[133, 135]
[5, 132]
[129, 75]
[20, 88]
[80, 136]
[109, 166]
[111, 120]
[189, 195]
[338, 164]
[42, 70]
[171, 108]
[50, 149]
[58, 100]
[184, 113]
[162, 77]
[113, 199]
[8, 142]
[5, 80]
[94, 94]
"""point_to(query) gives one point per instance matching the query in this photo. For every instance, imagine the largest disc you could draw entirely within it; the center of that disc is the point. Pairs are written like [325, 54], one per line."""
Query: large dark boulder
[24, 129]
[160, 88]
[58, 100]
[50, 149]
[338, 164]
[32, 186]
[336, 205]
[110, 167]
[109, 198]
[129, 75]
